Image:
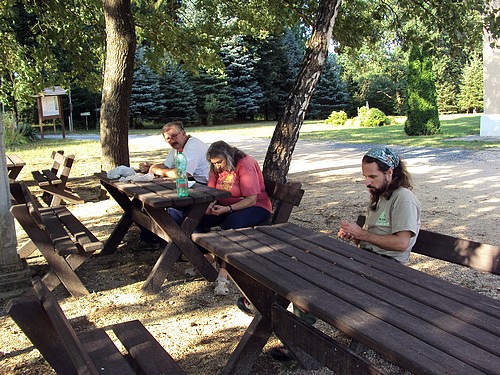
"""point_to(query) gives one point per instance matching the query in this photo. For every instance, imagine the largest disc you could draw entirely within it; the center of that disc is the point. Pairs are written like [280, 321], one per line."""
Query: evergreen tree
[146, 98]
[240, 60]
[276, 70]
[446, 74]
[178, 98]
[471, 97]
[423, 117]
[331, 93]
[214, 102]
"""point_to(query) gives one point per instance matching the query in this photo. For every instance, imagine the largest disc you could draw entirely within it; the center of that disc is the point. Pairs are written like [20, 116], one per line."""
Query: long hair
[400, 178]
[221, 149]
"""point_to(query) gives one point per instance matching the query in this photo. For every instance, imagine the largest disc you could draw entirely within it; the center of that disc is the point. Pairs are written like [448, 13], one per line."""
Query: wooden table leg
[117, 235]
[258, 333]
[123, 225]
[180, 243]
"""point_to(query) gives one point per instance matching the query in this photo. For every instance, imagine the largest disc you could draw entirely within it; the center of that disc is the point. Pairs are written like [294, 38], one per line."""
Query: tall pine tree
[331, 94]
[178, 98]
[145, 100]
[423, 117]
[215, 105]
[471, 97]
[240, 60]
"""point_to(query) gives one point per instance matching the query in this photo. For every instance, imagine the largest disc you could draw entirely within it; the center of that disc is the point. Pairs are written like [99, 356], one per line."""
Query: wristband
[230, 209]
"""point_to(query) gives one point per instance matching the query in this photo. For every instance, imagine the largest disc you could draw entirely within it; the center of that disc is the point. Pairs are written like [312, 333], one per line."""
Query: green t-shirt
[399, 213]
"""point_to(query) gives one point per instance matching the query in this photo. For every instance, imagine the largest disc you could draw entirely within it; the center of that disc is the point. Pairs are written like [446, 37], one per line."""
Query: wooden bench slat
[41, 318]
[85, 238]
[471, 254]
[67, 335]
[142, 346]
[103, 352]
[16, 160]
[476, 255]
[63, 244]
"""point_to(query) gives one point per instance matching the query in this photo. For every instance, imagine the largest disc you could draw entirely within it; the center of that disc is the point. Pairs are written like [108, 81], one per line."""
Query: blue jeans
[248, 217]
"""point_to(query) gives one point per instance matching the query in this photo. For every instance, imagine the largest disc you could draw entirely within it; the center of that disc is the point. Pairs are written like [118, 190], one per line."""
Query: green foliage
[471, 97]
[371, 117]
[337, 118]
[331, 93]
[423, 117]
[20, 134]
[240, 58]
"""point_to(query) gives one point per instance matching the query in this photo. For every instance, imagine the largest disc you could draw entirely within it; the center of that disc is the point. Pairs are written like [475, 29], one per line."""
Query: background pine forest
[255, 76]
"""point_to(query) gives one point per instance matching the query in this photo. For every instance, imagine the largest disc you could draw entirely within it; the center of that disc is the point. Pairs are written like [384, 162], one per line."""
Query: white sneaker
[221, 286]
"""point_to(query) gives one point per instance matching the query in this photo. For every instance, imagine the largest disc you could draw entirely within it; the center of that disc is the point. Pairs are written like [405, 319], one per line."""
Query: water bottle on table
[181, 182]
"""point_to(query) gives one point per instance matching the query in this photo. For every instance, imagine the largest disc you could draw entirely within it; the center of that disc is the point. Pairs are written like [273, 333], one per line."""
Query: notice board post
[50, 107]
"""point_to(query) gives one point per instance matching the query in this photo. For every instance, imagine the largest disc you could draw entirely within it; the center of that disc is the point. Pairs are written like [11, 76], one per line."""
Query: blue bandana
[385, 155]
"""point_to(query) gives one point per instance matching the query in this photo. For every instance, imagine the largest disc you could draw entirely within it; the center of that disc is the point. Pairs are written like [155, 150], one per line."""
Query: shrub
[337, 118]
[373, 117]
[22, 134]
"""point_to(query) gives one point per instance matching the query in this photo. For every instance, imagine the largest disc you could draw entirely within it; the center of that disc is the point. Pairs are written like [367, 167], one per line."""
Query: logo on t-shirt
[382, 220]
[226, 181]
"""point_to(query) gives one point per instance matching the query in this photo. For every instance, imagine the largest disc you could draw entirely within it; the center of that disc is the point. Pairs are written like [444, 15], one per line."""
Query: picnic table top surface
[161, 191]
[14, 161]
[418, 321]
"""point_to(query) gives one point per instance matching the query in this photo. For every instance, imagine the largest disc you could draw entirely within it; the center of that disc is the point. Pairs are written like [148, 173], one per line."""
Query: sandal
[221, 288]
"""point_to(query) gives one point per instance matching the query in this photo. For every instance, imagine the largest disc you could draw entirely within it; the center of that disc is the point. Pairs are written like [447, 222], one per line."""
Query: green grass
[453, 127]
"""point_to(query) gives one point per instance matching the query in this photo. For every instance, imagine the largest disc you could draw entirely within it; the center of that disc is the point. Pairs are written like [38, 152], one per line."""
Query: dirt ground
[459, 194]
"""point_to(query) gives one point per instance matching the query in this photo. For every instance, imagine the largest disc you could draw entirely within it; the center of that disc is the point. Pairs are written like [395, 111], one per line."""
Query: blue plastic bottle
[181, 182]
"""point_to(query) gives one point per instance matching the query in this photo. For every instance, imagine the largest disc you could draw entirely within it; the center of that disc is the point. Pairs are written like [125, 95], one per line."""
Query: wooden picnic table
[145, 203]
[421, 323]
[14, 166]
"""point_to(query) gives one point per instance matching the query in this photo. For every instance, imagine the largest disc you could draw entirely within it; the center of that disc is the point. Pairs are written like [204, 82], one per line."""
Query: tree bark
[286, 133]
[117, 85]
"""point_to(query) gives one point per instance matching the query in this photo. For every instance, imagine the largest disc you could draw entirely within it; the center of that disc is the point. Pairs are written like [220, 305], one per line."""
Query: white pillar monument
[490, 120]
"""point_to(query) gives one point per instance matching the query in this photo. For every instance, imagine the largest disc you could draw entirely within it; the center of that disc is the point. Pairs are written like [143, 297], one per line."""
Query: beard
[376, 193]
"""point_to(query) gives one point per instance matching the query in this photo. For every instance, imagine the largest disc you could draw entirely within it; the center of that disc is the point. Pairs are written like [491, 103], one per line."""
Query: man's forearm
[394, 242]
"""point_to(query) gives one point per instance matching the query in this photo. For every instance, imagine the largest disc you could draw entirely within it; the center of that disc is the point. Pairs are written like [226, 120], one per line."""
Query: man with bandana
[393, 217]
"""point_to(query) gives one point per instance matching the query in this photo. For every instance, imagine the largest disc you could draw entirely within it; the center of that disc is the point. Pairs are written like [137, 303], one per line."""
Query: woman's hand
[210, 207]
[220, 210]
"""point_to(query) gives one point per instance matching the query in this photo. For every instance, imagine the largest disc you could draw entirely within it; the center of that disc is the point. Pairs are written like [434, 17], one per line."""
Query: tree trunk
[286, 133]
[117, 85]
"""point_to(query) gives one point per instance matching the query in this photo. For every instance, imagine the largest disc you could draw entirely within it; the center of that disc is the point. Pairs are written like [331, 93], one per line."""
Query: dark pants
[248, 217]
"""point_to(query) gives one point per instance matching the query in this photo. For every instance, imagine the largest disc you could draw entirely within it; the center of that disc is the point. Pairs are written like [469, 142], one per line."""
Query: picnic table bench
[424, 324]
[43, 321]
[62, 239]
[476, 255]
[53, 181]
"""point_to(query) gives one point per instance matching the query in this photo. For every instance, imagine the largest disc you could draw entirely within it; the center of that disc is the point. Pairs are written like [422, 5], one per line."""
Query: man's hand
[350, 231]
[144, 167]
